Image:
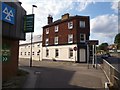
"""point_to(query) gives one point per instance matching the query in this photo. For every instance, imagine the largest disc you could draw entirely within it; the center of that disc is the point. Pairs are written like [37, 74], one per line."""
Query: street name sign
[29, 23]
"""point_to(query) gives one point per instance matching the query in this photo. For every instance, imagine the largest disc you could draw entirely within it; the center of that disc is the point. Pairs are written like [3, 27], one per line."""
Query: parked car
[104, 56]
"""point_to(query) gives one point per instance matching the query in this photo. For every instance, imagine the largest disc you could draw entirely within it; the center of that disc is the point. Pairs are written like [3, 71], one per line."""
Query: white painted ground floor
[57, 53]
[64, 53]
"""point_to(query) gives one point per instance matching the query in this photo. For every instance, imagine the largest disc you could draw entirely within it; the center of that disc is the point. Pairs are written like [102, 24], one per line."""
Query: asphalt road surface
[64, 75]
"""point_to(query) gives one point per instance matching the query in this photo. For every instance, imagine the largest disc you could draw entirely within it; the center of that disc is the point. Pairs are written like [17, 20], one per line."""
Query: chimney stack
[50, 19]
[65, 16]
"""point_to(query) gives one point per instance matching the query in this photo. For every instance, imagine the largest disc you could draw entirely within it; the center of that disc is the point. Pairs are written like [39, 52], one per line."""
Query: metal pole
[93, 57]
[88, 55]
[31, 42]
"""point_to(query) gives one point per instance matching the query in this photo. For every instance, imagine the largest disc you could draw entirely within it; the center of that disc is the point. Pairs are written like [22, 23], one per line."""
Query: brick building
[61, 37]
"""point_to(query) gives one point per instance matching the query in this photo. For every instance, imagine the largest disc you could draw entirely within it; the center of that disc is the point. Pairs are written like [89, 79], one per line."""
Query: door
[82, 55]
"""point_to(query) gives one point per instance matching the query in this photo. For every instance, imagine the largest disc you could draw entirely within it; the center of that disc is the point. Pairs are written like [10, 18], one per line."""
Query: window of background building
[33, 45]
[70, 38]
[56, 40]
[70, 53]
[33, 53]
[46, 41]
[56, 53]
[38, 45]
[28, 53]
[47, 52]
[82, 24]
[82, 37]
[47, 30]
[38, 53]
[25, 53]
[70, 25]
[56, 28]
[21, 53]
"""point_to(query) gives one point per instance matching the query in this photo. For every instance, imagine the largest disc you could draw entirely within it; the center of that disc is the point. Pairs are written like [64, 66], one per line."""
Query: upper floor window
[56, 53]
[82, 24]
[82, 37]
[56, 40]
[56, 28]
[70, 25]
[46, 41]
[47, 30]
[70, 38]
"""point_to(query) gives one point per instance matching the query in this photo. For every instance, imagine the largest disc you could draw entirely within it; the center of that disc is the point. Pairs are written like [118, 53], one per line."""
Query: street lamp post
[32, 37]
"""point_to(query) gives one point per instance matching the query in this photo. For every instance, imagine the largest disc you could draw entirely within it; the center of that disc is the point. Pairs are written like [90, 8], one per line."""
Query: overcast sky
[103, 15]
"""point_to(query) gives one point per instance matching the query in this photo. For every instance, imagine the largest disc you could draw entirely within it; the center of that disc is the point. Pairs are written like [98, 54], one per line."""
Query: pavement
[45, 74]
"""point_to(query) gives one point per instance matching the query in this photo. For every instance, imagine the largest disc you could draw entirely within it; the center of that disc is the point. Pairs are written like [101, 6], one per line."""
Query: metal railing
[112, 74]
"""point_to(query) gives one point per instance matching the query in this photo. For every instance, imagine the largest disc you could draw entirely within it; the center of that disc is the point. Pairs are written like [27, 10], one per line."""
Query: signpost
[29, 23]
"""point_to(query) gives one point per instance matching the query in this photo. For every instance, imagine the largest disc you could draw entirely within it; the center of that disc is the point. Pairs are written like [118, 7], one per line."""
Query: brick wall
[9, 68]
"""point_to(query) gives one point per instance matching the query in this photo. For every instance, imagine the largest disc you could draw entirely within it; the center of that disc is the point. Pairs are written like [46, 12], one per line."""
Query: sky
[103, 15]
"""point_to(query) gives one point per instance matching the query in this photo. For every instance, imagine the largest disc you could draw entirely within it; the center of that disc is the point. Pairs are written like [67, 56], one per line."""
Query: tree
[117, 40]
[103, 46]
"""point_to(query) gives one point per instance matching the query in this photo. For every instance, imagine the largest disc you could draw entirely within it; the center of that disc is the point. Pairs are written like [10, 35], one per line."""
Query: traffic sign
[8, 13]
[75, 48]
[29, 23]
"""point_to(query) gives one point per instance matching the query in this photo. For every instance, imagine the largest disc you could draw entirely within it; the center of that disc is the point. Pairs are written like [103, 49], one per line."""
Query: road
[64, 75]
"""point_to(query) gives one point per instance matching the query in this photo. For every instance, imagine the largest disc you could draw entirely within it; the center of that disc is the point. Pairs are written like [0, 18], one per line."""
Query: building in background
[25, 49]
[65, 39]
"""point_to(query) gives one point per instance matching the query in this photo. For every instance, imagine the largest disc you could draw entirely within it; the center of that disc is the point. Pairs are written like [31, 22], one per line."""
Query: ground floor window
[56, 53]
[21, 53]
[47, 52]
[70, 53]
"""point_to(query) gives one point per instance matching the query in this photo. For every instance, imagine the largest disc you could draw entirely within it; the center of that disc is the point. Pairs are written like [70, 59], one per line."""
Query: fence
[112, 74]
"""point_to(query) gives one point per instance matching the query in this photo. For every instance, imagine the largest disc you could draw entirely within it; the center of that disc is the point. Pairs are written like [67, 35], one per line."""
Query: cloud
[83, 4]
[53, 7]
[104, 27]
[115, 6]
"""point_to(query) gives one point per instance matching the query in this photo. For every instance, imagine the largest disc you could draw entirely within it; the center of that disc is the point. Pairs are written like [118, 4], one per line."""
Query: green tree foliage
[117, 40]
[103, 46]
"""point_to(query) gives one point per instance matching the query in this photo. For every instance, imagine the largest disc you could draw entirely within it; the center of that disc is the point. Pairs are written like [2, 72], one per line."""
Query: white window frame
[47, 30]
[70, 25]
[56, 40]
[70, 52]
[56, 28]
[70, 38]
[84, 35]
[47, 41]
[82, 24]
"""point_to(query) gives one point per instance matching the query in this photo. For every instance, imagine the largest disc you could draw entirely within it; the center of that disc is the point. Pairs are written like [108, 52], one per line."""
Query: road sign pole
[32, 37]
